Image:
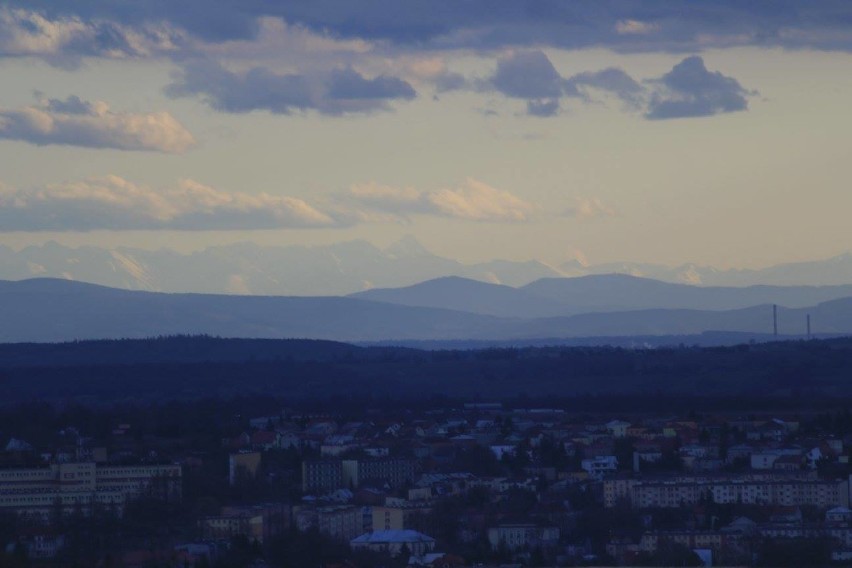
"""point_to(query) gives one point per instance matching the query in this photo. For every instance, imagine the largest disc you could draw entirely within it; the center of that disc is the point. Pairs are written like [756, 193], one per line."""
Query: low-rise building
[393, 542]
[522, 535]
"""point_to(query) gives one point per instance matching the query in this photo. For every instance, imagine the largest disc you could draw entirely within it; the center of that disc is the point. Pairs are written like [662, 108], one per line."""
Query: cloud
[348, 84]
[531, 75]
[611, 80]
[114, 203]
[543, 107]
[527, 75]
[589, 208]
[340, 91]
[478, 201]
[63, 39]
[690, 90]
[76, 122]
[635, 27]
[450, 81]
[102, 28]
[473, 200]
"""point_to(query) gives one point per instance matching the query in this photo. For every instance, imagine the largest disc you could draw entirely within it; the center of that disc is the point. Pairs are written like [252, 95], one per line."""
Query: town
[211, 483]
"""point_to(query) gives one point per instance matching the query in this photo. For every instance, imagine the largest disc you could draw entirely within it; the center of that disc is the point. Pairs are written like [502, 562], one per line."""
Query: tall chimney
[775, 320]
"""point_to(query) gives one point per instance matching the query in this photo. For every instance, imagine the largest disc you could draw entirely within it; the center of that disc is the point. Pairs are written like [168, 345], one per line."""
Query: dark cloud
[646, 25]
[339, 92]
[527, 75]
[530, 75]
[71, 105]
[256, 89]
[543, 107]
[348, 84]
[690, 90]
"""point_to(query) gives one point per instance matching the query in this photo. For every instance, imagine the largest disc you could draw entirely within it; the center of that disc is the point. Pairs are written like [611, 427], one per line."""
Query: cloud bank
[76, 122]
[688, 90]
[673, 26]
[114, 203]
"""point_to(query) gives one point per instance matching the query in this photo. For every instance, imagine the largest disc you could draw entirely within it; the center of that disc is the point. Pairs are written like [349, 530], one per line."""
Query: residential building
[393, 542]
[65, 488]
[522, 535]
[321, 475]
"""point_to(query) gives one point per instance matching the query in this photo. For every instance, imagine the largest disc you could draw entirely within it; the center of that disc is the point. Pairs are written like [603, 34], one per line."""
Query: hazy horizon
[96, 241]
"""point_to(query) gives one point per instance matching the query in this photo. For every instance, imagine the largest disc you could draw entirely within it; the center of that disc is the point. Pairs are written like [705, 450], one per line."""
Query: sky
[645, 131]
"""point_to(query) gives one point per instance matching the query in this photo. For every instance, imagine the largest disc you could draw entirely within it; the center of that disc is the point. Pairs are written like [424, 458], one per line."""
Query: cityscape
[200, 483]
[425, 283]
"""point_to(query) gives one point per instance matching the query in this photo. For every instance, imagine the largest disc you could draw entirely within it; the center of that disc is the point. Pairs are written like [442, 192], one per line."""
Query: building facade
[69, 488]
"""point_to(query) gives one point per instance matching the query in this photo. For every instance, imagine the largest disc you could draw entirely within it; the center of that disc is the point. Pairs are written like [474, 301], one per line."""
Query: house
[600, 465]
[393, 542]
[838, 515]
[437, 560]
[40, 544]
[243, 463]
[522, 535]
[264, 440]
[617, 428]
[500, 451]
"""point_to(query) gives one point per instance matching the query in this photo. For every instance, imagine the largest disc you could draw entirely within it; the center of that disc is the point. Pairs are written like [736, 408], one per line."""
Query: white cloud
[473, 200]
[63, 39]
[384, 196]
[114, 203]
[480, 202]
[589, 208]
[635, 27]
[76, 122]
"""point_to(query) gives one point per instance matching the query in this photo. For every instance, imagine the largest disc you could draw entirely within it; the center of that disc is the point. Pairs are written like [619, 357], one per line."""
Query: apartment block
[66, 488]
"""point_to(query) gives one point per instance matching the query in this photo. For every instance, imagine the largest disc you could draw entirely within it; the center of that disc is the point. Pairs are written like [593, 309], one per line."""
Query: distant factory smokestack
[809, 326]
[775, 320]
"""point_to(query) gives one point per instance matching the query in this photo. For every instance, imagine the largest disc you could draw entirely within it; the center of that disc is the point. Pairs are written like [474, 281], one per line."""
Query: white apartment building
[678, 492]
[38, 493]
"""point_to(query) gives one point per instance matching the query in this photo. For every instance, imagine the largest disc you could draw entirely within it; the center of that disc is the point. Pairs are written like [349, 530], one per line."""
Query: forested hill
[198, 367]
[172, 349]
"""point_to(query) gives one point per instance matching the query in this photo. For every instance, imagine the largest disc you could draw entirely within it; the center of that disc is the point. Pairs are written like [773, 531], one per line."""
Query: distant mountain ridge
[49, 310]
[252, 269]
[353, 266]
[549, 297]
[833, 271]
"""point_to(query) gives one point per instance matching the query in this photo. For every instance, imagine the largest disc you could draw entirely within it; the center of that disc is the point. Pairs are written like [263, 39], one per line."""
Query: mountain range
[40, 310]
[548, 297]
[354, 266]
